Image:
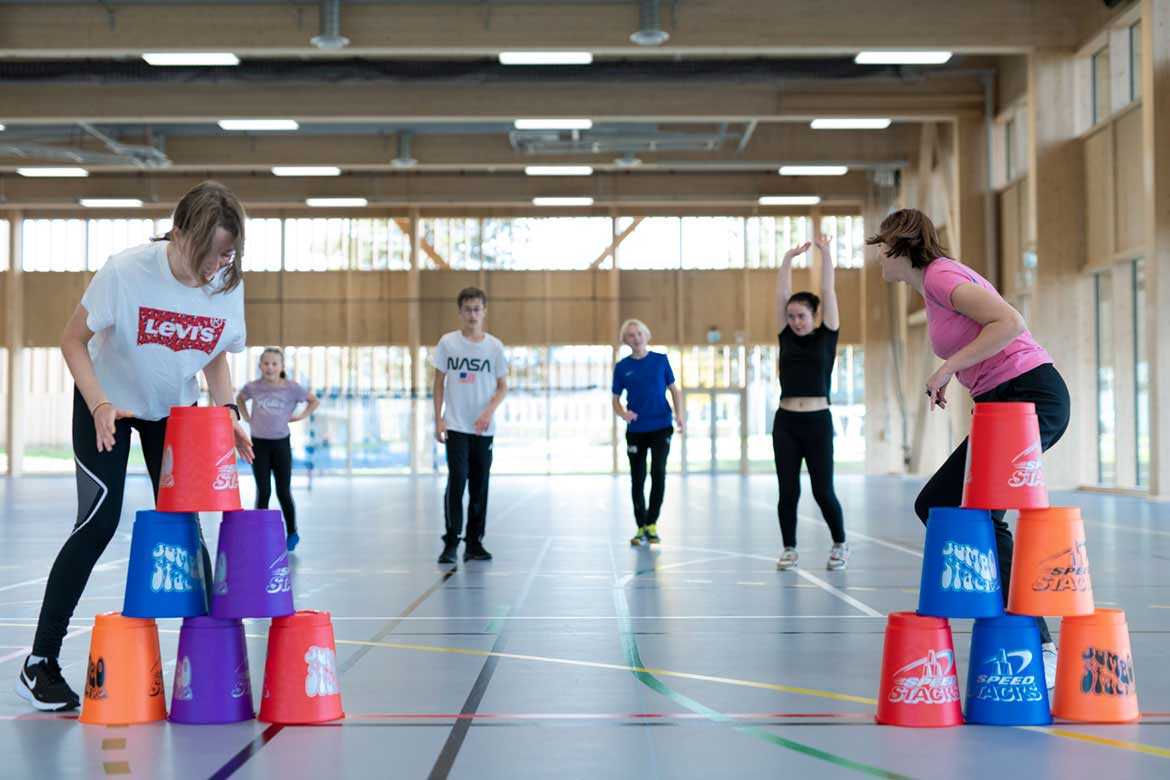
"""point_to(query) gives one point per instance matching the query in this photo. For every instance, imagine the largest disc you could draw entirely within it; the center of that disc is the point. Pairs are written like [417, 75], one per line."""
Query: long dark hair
[806, 299]
[909, 233]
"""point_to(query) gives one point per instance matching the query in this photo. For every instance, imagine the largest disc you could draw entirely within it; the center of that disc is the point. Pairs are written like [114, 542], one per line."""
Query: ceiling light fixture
[546, 58]
[258, 124]
[850, 123]
[902, 57]
[814, 170]
[789, 200]
[553, 124]
[190, 58]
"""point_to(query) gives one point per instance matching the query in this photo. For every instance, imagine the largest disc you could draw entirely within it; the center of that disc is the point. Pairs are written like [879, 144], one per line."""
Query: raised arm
[784, 283]
[831, 314]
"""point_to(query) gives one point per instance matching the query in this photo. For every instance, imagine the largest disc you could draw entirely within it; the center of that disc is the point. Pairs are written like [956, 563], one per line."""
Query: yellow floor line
[1134, 746]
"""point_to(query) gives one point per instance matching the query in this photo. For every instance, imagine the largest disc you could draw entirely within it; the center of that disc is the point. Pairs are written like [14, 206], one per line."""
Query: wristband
[235, 409]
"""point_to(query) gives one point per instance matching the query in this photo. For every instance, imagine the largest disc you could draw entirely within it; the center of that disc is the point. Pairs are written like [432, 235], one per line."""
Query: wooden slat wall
[338, 308]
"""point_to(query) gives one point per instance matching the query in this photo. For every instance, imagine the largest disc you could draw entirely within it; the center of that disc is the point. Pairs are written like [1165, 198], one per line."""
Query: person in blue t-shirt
[645, 377]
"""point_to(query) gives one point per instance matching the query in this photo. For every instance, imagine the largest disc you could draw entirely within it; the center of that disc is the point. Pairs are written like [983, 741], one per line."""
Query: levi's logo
[178, 331]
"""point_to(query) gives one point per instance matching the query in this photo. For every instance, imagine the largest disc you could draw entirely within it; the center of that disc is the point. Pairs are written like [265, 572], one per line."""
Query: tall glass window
[1141, 377]
[1106, 403]
[1100, 63]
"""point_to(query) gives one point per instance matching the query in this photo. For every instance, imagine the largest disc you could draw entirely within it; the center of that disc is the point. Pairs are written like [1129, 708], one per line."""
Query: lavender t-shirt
[272, 405]
[950, 330]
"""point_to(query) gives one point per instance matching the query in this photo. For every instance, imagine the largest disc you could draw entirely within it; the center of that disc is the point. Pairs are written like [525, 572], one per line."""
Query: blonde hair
[636, 323]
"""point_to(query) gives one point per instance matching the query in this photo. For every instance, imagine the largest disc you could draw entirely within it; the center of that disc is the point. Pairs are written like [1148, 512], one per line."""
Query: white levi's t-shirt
[471, 370]
[152, 334]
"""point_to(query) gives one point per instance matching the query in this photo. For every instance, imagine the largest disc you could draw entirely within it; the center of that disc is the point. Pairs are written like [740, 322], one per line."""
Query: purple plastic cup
[211, 673]
[252, 578]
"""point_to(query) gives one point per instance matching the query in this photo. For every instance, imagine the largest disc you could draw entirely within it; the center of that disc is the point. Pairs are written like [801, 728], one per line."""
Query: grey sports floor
[573, 655]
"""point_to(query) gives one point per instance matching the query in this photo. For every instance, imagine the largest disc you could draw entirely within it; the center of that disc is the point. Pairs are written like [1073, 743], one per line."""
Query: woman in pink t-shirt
[985, 344]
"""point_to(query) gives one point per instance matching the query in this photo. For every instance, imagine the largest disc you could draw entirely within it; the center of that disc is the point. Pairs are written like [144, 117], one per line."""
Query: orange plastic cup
[1050, 566]
[123, 682]
[1095, 680]
[199, 462]
[1004, 468]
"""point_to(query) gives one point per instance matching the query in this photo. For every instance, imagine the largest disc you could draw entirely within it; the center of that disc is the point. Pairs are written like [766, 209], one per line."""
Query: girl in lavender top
[986, 346]
[274, 399]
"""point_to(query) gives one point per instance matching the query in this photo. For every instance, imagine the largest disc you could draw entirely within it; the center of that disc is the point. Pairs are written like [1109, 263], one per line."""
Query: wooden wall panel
[3, 320]
[711, 298]
[650, 296]
[1011, 245]
[1099, 193]
[849, 285]
[1130, 189]
[49, 300]
[264, 319]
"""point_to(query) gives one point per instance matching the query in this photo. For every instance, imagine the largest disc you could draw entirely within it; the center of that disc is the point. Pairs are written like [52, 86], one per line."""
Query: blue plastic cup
[960, 568]
[1005, 678]
[165, 575]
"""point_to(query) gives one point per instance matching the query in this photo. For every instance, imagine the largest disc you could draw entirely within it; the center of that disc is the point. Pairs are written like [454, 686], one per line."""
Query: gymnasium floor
[573, 655]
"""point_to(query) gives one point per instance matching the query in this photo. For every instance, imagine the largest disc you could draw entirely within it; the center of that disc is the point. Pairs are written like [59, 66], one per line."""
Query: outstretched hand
[796, 250]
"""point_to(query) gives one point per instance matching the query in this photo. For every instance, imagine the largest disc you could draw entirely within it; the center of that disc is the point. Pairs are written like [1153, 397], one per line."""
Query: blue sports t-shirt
[645, 382]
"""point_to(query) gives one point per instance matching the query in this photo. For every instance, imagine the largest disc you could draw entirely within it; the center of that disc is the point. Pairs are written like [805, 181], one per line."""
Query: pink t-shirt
[950, 331]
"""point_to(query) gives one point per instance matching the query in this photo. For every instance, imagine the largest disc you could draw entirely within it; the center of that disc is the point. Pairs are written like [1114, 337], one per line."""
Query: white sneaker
[1048, 651]
[788, 559]
[838, 557]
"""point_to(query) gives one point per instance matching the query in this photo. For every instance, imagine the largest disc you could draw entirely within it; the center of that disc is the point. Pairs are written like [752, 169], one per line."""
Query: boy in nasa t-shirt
[470, 383]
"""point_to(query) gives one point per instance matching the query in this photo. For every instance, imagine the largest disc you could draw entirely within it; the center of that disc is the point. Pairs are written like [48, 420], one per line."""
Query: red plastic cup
[199, 462]
[920, 684]
[300, 675]
[1004, 467]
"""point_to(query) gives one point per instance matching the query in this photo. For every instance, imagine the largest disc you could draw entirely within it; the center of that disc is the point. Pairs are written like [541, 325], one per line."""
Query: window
[712, 242]
[1135, 61]
[848, 235]
[1141, 378]
[1009, 149]
[768, 238]
[1106, 403]
[339, 244]
[655, 244]
[1100, 65]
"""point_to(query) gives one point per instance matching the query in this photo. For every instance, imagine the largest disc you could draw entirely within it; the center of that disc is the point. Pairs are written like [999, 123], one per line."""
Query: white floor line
[26, 650]
[40, 580]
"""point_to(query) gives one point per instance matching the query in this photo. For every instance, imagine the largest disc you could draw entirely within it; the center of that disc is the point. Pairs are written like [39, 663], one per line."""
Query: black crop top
[806, 362]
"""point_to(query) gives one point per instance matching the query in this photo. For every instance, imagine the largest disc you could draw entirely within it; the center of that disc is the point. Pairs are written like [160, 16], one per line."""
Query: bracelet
[93, 411]
[235, 409]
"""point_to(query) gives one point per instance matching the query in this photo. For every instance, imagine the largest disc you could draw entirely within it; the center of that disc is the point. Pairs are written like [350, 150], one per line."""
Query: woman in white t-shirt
[151, 320]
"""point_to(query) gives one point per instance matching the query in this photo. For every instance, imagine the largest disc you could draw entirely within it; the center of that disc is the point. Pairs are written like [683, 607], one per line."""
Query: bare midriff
[804, 404]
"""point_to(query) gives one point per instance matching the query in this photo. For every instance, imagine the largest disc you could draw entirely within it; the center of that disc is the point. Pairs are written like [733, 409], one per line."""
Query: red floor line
[602, 716]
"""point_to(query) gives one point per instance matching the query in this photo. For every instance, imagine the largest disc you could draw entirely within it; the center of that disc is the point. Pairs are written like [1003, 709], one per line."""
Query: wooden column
[1155, 70]
[883, 415]
[14, 331]
[1062, 299]
[419, 412]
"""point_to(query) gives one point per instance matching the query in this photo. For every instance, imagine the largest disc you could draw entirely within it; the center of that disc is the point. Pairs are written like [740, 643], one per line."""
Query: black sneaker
[42, 686]
[477, 553]
[449, 554]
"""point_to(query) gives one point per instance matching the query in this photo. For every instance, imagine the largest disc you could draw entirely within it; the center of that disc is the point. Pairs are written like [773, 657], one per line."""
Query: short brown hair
[470, 294]
[909, 233]
[206, 207]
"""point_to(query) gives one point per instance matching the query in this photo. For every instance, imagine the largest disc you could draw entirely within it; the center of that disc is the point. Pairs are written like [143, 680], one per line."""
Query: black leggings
[101, 480]
[1042, 386]
[657, 443]
[274, 457]
[469, 466]
[806, 436]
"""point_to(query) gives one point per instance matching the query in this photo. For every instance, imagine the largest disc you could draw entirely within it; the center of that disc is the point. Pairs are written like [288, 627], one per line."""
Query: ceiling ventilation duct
[650, 32]
[404, 159]
[330, 37]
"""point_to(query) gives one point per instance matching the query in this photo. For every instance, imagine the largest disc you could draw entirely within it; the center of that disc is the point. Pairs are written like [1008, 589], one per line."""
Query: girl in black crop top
[803, 428]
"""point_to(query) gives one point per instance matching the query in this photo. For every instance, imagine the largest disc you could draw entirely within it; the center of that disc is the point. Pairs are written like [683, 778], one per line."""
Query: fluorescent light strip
[53, 173]
[789, 200]
[553, 124]
[111, 203]
[850, 123]
[258, 124]
[558, 170]
[2, 128]
[546, 58]
[305, 170]
[335, 202]
[814, 170]
[195, 58]
[902, 57]
[562, 201]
